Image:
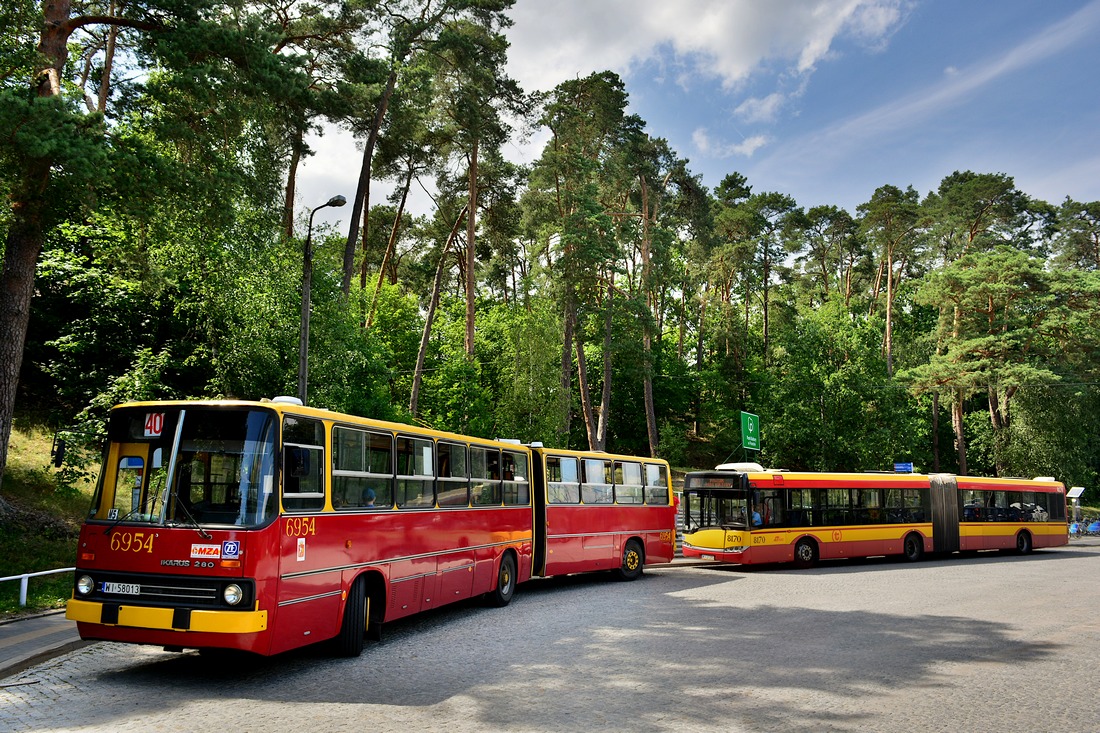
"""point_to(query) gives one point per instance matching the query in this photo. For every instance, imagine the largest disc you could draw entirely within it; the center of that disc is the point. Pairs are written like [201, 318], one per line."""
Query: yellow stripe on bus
[217, 622]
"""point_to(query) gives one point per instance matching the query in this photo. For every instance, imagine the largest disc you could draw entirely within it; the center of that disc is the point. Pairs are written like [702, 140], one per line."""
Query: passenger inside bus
[368, 497]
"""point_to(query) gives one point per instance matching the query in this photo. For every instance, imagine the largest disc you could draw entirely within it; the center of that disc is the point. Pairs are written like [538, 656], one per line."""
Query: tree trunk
[889, 315]
[27, 228]
[935, 432]
[582, 387]
[605, 396]
[647, 330]
[391, 244]
[360, 206]
[421, 354]
[471, 254]
[291, 184]
[108, 61]
[960, 436]
[26, 235]
[699, 343]
[567, 370]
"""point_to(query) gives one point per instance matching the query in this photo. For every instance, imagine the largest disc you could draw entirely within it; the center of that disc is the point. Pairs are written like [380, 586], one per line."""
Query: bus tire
[350, 641]
[505, 587]
[805, 553]
[913, 547]
[1023, 542]
[633, 560]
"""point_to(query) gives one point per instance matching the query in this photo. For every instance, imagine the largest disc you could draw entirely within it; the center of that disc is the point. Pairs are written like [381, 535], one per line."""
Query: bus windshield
[716, 508]
[191, 467]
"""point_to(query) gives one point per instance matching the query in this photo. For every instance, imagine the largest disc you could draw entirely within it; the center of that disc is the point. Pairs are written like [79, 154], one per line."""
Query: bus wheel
[1023, 543]
[914, 547]
[805, 553]
[633, 561]
[506, 582]
[350, 641]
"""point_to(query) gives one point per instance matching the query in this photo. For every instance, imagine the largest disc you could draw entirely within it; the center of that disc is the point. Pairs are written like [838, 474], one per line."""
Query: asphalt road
[993, 642]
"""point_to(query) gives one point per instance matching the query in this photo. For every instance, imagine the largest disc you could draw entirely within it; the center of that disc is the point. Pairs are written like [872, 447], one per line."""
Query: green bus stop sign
[750, 431]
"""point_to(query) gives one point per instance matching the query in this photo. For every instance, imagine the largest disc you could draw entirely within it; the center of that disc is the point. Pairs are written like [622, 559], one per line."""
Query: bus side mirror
[57, 451]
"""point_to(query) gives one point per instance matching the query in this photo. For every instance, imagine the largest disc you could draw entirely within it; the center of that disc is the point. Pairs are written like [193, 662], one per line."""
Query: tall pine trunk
[605, 397]
[433, 305]
[24, 242]
[27, 228]
[360, 206]
[960, 435]
[471, 254]
[391, 245]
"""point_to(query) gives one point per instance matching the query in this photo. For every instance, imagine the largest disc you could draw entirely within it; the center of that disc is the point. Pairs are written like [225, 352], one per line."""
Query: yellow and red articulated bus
[741, 513]
[265, 526]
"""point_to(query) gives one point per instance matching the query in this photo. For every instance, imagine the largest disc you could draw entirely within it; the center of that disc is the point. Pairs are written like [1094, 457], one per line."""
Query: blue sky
[826, 100]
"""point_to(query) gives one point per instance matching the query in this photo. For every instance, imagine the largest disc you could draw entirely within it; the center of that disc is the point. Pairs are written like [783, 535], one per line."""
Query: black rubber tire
[633, 560]
[1023, 543]
[501, 595]
[913, 547]
[805, 553]
[350, 641]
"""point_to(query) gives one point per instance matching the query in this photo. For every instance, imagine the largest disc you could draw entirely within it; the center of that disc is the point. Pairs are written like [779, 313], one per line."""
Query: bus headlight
[232, 594]
[85, 585]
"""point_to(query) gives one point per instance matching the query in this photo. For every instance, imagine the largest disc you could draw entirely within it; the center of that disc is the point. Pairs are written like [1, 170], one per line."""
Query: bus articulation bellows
[741, 513]
[265, 526]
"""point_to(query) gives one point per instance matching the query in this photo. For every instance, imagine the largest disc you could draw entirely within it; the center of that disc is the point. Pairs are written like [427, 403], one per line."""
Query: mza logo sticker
[206, 552]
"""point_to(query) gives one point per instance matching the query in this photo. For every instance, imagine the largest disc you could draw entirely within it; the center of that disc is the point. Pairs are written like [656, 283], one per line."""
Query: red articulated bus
[266, 526]
[741, 513]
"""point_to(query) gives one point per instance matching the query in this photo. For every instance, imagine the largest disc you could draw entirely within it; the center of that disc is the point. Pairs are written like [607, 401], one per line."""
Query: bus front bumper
[166, 619]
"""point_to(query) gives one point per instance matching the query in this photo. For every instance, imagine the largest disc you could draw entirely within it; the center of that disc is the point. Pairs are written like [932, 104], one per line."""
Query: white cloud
[724, 39]
[714, 149]
[756, 109]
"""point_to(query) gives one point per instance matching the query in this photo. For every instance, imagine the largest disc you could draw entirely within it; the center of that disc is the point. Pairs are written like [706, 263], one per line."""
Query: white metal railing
[27, 576]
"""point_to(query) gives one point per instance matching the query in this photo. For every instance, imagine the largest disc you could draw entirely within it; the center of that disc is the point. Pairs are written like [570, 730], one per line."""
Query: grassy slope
[39, 529]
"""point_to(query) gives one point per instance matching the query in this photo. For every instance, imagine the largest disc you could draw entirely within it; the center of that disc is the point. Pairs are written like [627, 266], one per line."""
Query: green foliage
[830, 407]
[522, 350]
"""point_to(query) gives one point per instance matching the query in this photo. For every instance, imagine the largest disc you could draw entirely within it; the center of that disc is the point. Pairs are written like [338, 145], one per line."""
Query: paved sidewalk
[28, 640]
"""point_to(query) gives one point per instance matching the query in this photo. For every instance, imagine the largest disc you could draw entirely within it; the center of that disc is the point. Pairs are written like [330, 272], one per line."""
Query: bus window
[303, 464]
[415, 473]
[516, 486]
[916, 504]
[362, 469]
[596, 488]
[628, 482]
[656, 484]
[562, 480]
[485, 476]
[801, 511]
[868, 506]
[127, 494]
[772, 512]
[454, 481]
[837, 508]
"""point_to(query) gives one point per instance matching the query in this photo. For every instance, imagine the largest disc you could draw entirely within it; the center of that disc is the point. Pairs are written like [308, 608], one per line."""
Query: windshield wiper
[194, 523]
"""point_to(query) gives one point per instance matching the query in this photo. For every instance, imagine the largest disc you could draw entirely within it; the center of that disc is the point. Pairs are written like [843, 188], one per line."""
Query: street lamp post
[307, 281]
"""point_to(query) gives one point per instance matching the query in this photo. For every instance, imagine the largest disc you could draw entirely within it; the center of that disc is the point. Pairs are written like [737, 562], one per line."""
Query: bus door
[538, 495]
[945, 514]
[130, 492]
[309, 598]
